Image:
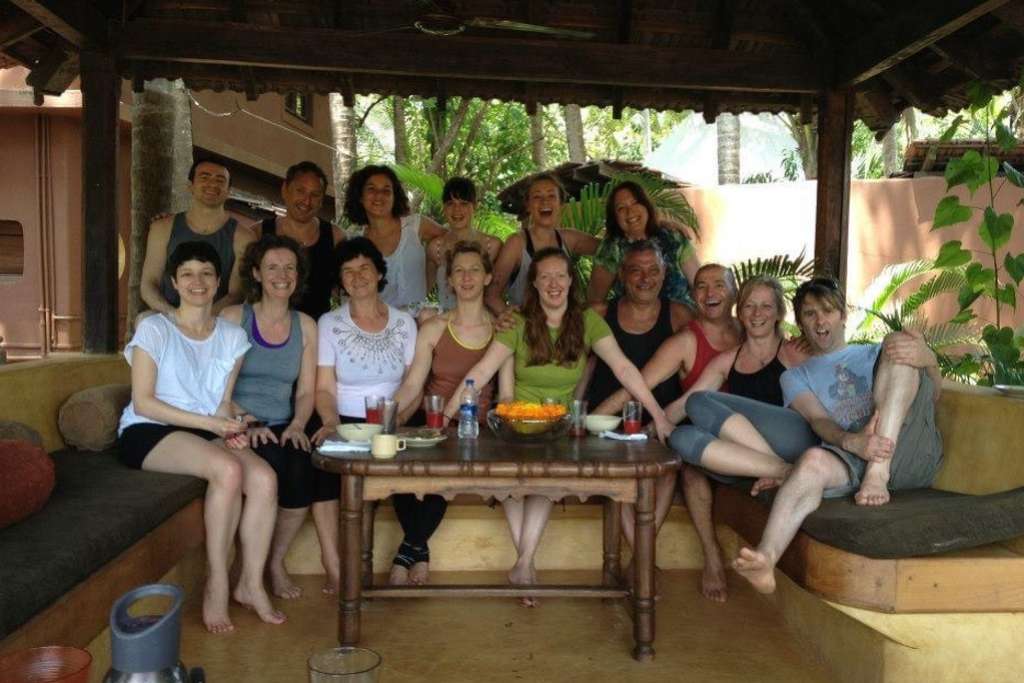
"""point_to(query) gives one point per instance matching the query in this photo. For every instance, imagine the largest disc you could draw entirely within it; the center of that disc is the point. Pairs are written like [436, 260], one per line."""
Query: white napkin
[623, 437]
[335, 447]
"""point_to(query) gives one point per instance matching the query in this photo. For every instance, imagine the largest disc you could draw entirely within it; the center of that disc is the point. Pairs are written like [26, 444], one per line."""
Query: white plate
[1015, 390]
[423, 442]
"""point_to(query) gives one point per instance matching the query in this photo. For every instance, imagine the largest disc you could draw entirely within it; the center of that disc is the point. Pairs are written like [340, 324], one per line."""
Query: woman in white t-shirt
[184, 365]
[376, 200]
[364, 349]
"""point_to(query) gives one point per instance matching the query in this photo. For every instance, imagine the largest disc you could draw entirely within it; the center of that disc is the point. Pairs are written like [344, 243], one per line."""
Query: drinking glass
[632, 415]
[388, 416]
[373, 407]
[433, 406]
[577, 418]
[344, 665]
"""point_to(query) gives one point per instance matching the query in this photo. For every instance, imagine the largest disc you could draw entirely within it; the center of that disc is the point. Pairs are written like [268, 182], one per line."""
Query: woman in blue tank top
[275, 387]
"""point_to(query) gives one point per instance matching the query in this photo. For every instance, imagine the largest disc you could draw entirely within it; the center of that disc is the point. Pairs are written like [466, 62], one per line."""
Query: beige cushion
[88, 419]
[19, 431]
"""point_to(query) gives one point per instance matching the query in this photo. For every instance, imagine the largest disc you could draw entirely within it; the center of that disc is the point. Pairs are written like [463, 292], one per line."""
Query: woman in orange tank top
[447, 346]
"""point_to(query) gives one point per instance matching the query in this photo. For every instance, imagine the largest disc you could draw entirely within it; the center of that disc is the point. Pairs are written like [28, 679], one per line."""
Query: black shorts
[136, 441]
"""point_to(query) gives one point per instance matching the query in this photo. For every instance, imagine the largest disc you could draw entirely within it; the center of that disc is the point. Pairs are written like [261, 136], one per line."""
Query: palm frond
[789, 271]
[945, 335]
[945, 281]
[493, 223]
[881, 289]
[963, 369]
[430, 184]
[587, 212]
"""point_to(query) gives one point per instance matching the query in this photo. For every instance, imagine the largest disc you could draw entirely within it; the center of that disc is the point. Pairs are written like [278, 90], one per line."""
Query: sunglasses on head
[826, 282]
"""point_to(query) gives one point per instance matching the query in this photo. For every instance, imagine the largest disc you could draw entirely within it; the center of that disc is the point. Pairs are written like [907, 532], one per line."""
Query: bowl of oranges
[528, 421]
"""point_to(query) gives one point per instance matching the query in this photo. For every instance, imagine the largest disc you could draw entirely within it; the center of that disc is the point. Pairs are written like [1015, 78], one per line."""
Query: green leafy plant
[992, 275]
[486, 219]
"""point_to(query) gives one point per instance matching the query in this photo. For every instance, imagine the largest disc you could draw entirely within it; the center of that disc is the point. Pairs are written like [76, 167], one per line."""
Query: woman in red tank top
[447, 346]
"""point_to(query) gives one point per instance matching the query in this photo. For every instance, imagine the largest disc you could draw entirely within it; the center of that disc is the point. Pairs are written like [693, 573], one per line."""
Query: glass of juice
[433, 406]
[577, 418]
[632, 414]
[373, 409]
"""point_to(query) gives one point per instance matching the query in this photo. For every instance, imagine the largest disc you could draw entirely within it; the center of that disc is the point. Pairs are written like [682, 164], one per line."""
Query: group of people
[244, 367]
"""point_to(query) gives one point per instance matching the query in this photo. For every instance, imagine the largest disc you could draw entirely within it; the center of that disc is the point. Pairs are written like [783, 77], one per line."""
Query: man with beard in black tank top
[640, 321]
[303, 191]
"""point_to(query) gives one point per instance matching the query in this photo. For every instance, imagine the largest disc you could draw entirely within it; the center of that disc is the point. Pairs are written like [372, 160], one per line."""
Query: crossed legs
[527, 519]
[819, 469]
[231, 476]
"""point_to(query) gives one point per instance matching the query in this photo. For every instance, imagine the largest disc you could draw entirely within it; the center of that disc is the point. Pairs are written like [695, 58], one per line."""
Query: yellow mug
[386, 445]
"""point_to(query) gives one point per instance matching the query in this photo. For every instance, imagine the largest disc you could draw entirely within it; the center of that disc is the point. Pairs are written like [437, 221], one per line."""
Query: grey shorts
[918, 453]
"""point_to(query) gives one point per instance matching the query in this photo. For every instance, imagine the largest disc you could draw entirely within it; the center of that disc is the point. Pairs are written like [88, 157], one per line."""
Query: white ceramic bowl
[602, 423]
[359, 431]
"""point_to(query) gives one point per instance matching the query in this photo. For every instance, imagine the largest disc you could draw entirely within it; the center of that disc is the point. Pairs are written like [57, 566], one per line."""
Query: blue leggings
[785, 430]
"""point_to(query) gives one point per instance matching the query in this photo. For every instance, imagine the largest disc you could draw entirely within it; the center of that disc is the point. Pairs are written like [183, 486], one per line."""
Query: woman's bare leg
[255, 529]
[289, 521]
[325, 517]
[513, 509]
[185, 453]
[536, 511]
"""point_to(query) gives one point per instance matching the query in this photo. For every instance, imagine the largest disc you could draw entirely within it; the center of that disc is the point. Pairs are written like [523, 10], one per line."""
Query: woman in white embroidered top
[376, 200]
[184, 365]
[364, 348]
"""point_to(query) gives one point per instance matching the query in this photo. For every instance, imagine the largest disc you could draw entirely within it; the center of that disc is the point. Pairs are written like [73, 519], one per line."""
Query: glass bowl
[527, 430]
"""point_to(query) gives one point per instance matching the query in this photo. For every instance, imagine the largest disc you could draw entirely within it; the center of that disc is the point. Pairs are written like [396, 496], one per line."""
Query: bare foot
[874, 490]
[756, 568]
[281, 584]
[419, 574]
[765, 484]
[215, 607]
[524, 576]
[258, 601]
[332, 586]
[713, 584]
[399, 576]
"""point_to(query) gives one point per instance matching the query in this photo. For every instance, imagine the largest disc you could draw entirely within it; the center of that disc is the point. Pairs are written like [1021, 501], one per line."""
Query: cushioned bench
[926, 551]
[99, 512]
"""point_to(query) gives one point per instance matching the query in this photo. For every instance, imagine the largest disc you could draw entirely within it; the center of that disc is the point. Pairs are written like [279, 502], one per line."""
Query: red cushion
[28, 476]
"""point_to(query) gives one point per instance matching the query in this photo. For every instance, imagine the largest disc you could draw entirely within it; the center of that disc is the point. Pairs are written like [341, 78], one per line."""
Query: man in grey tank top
[207, 221]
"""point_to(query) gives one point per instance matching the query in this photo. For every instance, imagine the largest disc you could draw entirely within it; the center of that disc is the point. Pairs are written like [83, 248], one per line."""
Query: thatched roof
[707, 55]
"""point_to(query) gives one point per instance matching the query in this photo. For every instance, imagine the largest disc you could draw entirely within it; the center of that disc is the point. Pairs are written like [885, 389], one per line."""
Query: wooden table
[620, 472]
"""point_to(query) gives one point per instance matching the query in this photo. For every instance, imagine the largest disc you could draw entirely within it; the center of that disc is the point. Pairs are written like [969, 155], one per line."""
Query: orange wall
[890, 222]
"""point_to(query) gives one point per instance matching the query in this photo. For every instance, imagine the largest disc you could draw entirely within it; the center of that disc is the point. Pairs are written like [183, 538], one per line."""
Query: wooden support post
[831, 233]
[350, 537]
[101, 90]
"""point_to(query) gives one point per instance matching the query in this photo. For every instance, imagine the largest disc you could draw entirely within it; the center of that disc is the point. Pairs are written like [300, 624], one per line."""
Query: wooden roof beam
[905, 32]
[76, 21]
[16, 28]
[468, 57]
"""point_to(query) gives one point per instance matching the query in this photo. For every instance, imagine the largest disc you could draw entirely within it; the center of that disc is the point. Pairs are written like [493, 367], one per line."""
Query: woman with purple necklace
[275, 387]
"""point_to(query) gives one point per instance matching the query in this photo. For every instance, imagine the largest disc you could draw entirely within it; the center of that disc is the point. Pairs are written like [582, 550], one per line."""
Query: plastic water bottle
[468, 426]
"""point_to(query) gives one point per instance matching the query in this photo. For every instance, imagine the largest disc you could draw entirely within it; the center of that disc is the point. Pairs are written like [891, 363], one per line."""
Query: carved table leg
[369, 515]
[350, 542]
[643, 572]
[612, 511]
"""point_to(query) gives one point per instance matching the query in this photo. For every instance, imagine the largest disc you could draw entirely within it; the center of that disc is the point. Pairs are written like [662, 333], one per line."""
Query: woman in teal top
[549, 344]
[630, 216]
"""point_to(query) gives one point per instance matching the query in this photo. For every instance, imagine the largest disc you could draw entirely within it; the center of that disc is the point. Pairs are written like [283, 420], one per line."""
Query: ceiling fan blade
[509, 25]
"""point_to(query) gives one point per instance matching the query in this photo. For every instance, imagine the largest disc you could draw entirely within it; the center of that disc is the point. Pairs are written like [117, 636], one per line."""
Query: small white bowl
[596, 424]
[359, 431]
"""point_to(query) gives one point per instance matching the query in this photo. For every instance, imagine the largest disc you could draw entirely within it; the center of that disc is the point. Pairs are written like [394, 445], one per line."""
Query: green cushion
[98, 509]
